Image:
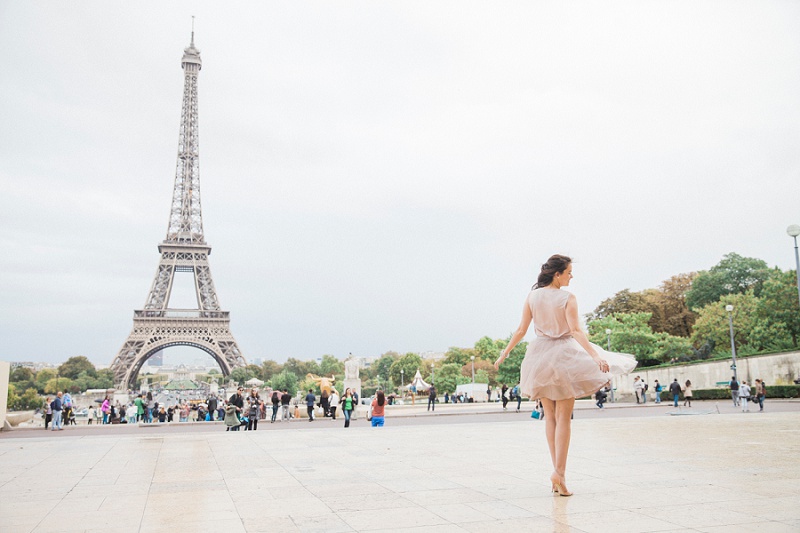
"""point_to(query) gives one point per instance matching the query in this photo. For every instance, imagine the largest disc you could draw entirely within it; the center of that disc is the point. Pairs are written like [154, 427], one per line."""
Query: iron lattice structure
[158, 326]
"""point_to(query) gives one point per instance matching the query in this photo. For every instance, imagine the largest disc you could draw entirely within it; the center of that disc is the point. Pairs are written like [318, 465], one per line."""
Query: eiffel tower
[158, 326]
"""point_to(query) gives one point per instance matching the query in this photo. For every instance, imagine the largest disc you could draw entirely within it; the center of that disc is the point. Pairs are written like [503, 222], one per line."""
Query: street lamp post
[402, 378]
[472, 358]
[432, 374]
[729, 309]
[794, 231]
[608, 347]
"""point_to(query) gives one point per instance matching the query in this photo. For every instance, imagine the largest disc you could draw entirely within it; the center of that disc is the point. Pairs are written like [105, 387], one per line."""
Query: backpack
[645, 386]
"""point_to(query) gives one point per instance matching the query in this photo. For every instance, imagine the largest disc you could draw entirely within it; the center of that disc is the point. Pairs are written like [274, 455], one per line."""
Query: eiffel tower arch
[158, 326]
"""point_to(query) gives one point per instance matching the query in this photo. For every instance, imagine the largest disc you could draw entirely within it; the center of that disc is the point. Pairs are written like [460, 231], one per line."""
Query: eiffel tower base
[153, 333]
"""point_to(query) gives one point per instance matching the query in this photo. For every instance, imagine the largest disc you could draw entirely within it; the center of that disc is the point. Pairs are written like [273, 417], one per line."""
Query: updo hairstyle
[555, 265]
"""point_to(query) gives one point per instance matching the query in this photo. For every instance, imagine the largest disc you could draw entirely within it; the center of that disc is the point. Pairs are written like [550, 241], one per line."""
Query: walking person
[560, 364]
[675, 390]
[378, 409]
[148, 408]
[744, 394]
[334, 403]
[518, 396]
[432, 398]
[325, 403]
[105, 408]
[286, 399]
[638, 388]
[687, 393]
[236, 402]
[310, 399]
[354, 414]
[504, 395]
[253, 410]
[348, 404]
[761, 393]
[276, 403]
[734, 385]
[658, 388]
[48, 412]
[56, 406]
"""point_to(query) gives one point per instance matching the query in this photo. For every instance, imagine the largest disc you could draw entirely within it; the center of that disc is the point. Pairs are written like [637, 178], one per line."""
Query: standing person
[285, 401]
[348, 404]
[489, 393]
[638, 388]
[518, 396]
[334, 403]
[276, 403]
[658, 389]
[132, 413]
[48, 412]
[254, 410]
[744, 394]
[212, 406]
[432, 398]
[560, 363]
[234, 410]
[378, 410]
[105, 408]
[355, 404]
[139, 403]
[170, 413]
[644, 391]
[310, 400]
[675, 390]
[761, 393]
[162, 415]
[504, 395]
[56, 407]
[734, 385]
[148, 408]
[184, 413]
[687, 393]
[325, 403]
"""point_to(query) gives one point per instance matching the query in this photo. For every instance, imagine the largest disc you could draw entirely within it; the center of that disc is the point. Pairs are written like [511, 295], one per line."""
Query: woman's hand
[500, 360]
[602, 363]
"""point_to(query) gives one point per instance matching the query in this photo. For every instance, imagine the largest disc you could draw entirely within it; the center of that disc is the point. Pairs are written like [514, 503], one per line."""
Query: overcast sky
[386, 175]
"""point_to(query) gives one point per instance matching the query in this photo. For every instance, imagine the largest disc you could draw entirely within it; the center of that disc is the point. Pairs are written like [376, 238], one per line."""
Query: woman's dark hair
[555, 265]
[381, 398]
[688, 383]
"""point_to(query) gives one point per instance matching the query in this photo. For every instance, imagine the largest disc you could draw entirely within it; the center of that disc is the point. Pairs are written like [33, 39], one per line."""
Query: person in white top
[334, 403]
[744, 394]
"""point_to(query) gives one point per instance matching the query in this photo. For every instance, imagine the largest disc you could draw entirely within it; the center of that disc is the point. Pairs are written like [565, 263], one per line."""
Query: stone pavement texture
[729, 472]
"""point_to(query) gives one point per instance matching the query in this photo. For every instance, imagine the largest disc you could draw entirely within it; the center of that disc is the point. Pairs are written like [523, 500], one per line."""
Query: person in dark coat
[212, 406]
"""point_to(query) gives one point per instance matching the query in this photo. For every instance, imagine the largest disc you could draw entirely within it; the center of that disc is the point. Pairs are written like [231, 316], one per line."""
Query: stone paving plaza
[719, 472]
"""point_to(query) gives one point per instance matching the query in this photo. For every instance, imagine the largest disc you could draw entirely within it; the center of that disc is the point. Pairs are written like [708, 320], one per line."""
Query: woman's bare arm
[522, 329]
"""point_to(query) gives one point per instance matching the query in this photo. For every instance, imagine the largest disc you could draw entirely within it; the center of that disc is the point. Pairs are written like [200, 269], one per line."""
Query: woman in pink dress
[560, 363]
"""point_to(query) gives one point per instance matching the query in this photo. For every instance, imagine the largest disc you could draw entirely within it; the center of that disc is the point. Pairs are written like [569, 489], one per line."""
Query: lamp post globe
[794, 231]
[729, 309]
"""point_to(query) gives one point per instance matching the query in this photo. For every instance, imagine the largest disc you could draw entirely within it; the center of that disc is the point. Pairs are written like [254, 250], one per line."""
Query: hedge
[774, 391]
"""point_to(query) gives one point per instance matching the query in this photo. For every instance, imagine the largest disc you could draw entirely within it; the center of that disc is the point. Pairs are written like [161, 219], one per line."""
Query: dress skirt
[558, 369]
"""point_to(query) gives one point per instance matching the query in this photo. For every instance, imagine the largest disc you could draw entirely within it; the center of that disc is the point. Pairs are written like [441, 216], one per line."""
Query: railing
[181, 313]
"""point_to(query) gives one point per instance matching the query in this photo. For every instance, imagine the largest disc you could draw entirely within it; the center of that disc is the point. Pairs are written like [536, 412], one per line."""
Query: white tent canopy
[418, 384]
[255, 382]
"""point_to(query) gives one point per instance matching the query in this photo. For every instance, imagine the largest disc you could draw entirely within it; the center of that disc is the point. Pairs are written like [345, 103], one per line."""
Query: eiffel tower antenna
[157, 325]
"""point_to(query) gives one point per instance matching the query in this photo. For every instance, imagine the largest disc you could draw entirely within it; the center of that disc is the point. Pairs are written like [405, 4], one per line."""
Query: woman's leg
[563, 432]
[347, 414]
[549, 407]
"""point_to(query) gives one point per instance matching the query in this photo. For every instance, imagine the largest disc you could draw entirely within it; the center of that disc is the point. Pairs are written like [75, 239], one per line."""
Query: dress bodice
[549, 312]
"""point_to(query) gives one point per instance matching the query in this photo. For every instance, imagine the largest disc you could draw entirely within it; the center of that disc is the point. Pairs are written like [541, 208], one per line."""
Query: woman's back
[548, 309]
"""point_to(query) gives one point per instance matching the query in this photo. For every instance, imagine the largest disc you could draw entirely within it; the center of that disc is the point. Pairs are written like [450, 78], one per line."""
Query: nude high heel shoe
[559, 487]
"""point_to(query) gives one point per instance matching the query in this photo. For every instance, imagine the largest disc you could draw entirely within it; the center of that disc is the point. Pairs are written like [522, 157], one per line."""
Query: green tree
[409, 364]
[330, 365]
[712, 323]
[104, 379]
[630, 333]
[487, 349]
[21, 373]
[459, 356]
[29, 400]
[481, 376]
[734, 274]
[481, 365]
[269, 368]
[381, 366]
[58, 384]
[254, 371]
[42, 377]
[241, 374]
[75, 365]
[448, 377]
[779, 304]
[285, 380]
[509, 370]
[623, 302]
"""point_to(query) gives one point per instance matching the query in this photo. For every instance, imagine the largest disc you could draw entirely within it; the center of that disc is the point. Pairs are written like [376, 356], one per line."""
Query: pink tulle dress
[556, 366]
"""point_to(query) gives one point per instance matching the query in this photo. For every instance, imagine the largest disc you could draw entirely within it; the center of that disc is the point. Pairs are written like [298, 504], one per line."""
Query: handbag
[536, 414]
